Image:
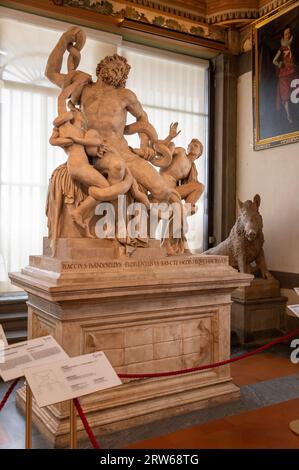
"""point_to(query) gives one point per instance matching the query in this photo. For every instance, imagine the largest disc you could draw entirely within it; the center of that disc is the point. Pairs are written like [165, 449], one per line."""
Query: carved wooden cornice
[203, 19]
[192, 9]
[176, 16]
[206, 11]
[267, 6]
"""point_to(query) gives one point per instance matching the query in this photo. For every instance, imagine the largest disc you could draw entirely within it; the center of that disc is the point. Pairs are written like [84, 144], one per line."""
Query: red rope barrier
[8, 393]
[212, 366]
[178, 372]
[81, 413]
[85, 423]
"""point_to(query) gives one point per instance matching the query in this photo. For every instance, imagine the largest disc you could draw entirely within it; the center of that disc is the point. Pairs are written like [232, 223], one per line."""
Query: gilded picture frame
[275, 64]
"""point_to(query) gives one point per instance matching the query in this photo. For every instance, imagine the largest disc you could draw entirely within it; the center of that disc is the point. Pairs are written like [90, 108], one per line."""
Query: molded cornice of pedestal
[258, 289]
[147, 271]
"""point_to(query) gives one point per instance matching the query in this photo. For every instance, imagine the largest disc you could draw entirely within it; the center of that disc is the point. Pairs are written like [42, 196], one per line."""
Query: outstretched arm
[54, 64]
[173, 132]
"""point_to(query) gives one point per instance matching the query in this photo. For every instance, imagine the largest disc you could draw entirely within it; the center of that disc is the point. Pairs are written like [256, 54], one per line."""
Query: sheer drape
[25, 167]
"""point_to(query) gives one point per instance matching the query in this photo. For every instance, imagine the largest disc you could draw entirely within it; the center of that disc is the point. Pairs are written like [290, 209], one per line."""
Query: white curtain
[170, 87]
[27, 162]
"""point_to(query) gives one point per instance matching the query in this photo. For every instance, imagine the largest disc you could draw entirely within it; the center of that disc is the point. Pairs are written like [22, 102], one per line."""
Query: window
[171, 88]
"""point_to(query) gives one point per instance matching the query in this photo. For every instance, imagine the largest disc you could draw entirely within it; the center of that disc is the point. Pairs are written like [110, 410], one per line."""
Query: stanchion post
[28, 434]
[73, 425]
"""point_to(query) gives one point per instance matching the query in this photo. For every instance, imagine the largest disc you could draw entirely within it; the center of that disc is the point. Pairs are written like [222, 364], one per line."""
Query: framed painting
[276, 78]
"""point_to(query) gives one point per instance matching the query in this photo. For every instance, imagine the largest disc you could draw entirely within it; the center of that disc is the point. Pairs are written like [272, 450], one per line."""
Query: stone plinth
[148, 313]
[258, 312]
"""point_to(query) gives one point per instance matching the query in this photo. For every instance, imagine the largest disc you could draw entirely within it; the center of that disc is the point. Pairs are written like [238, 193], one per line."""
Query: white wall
[274, 174]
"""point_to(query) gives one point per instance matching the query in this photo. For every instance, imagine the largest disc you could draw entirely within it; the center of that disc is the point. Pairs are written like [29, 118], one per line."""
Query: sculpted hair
[116, 75]
[196, 141]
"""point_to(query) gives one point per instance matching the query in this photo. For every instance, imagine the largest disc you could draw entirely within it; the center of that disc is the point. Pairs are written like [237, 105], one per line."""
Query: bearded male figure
[104, 106]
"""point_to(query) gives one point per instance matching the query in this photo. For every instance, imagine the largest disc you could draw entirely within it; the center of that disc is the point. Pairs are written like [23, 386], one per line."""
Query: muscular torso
[179, 169]
[105, 110]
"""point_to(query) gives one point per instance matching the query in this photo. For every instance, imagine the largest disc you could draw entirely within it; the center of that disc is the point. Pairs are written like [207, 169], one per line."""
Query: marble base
[258, 312]
[149, 314]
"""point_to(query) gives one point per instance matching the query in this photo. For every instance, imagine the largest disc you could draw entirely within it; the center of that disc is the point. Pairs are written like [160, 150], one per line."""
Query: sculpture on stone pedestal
[90, 127]
[133, 310]
[244, 244]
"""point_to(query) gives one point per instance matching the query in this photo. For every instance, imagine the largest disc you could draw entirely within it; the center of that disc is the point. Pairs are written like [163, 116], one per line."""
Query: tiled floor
[265, 366]
[263, 428]
[260, 419]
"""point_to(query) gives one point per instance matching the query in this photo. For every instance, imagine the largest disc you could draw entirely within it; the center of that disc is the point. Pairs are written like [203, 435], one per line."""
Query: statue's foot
[174, 247]
[78, 219]
[88, 233]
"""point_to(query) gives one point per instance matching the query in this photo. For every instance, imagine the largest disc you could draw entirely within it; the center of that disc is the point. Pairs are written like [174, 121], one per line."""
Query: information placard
[14, 358]
[294, 309]
[71, 378]
[3, 337]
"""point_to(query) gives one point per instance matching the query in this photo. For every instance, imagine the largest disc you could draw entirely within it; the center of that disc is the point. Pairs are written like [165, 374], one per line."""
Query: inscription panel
[149, 264]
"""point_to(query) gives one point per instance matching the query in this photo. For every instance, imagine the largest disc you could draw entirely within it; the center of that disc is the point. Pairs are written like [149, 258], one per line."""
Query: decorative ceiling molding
[219, 12]
[195, 11]
[267, 6]
[156, 13]
[228, 16]
[204, 19]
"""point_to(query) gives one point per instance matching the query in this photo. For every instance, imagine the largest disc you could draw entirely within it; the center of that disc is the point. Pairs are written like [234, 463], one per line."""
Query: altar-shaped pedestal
[148, 313]
[258, 312]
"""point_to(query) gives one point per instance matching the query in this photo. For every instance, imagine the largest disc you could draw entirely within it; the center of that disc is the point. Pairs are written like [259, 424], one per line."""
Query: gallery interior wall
[273, 173]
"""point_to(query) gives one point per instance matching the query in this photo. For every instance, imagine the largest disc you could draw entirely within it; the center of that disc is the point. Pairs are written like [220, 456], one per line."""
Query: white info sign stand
[16, 357]
[52, 376]
[71, 378]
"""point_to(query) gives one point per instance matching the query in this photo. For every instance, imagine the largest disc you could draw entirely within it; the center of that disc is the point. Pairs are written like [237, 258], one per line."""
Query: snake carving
[163, 156]
[69, 132]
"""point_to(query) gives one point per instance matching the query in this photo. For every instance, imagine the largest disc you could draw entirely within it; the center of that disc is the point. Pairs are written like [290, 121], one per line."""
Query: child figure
[181, 174]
